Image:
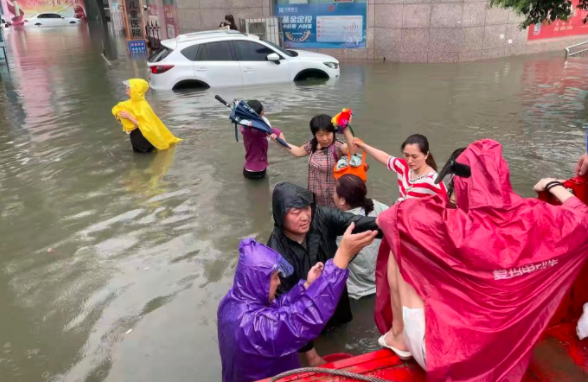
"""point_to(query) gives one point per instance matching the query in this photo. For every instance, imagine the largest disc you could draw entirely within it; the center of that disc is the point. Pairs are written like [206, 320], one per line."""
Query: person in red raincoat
[488, 273]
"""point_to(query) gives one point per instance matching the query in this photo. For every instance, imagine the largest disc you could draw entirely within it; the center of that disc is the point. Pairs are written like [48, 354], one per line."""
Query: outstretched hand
[358, 142]
[582, 166]
[351, 244]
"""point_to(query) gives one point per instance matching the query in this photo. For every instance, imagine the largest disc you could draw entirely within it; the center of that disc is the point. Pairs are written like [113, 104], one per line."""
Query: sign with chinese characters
[323, 25]
[558, 28]
[134, 13]
[137, 47]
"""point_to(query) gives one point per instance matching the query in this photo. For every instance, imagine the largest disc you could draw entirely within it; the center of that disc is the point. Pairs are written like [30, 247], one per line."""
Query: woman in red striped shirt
[416, 172]
[416, 179]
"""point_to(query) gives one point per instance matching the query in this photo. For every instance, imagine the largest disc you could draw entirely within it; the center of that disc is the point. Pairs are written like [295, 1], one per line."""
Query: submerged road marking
[106, 59]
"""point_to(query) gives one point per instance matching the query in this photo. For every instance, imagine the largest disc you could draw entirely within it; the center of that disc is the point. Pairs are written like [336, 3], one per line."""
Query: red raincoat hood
[491, 272]
[489, 184]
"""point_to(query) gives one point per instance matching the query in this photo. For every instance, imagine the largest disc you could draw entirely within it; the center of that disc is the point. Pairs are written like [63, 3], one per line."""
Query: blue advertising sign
[137, 47]
[323, 25]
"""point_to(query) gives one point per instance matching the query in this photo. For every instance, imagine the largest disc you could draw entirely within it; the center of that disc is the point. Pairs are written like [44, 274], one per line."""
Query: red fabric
[491, 272]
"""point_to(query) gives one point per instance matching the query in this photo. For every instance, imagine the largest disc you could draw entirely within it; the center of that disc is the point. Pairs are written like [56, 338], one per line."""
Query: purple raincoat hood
[256, 265]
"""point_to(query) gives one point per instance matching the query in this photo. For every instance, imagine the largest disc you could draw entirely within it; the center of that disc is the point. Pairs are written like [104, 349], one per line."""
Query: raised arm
[337, 221]
[349, 146]
[379, 155]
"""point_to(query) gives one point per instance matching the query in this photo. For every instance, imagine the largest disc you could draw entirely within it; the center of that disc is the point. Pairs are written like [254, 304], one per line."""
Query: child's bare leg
[395, 336]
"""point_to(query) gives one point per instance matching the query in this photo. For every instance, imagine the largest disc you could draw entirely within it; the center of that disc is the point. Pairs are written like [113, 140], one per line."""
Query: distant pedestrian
[146, 130]
[229, 22]
[256, 145]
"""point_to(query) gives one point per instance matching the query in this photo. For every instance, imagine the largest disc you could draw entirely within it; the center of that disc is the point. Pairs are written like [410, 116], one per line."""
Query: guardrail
[571, 53]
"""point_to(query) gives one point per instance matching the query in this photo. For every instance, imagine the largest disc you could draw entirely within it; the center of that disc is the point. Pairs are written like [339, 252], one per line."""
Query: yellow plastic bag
[150, 125]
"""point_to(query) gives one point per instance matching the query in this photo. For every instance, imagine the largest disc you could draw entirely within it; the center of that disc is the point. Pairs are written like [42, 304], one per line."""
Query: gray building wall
[418, 31]
[198, 15]
[448, 31]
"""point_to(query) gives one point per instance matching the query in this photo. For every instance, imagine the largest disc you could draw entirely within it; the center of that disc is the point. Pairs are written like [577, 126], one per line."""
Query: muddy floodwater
[112, 264]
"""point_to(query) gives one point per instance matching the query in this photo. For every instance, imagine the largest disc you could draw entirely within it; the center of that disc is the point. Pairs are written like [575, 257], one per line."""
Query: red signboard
[171, 16]
[573, 27]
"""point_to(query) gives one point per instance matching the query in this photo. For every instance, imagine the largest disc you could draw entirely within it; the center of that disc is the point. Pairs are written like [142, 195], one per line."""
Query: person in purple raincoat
[259, 335]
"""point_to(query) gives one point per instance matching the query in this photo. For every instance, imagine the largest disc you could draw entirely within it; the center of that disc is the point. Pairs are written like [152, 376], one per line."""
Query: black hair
[255, 105]
[423, 143]
[320, 122]
[455, 168]
[230, 18]
[354, 191]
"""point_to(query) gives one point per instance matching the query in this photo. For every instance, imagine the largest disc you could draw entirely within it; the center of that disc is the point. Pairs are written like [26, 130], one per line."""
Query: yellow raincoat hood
[150, 125]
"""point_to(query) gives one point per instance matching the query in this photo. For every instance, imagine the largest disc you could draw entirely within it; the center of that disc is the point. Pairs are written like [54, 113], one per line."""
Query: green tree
[539, 11]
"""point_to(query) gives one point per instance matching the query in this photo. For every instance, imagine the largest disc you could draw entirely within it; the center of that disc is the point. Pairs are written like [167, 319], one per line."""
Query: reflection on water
[113, 263]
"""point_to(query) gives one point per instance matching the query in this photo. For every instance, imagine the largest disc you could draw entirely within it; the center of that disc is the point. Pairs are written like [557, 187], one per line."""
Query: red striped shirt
[420, 187]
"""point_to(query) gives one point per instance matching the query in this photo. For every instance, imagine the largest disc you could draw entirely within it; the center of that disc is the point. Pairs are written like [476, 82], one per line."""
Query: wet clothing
[362, 270]
[139, 143]
[152, 129]
[256, 146]
[258, 339]
[321, 166]
[491, 272]
[419, 187]
[414, 334]
[254, 175]
[321, 240]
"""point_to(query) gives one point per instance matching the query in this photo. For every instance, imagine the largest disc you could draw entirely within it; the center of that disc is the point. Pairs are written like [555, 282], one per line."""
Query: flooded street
[112, 264]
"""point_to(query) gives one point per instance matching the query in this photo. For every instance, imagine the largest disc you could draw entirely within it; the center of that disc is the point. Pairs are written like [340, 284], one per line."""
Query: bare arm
[294, 150]
[560, 192]
[379, 155]
[582, 166]
[297, 151]
[349, 148]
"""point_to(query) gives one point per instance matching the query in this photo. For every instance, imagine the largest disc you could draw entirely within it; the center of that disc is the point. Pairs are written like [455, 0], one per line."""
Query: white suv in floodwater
[230, 58]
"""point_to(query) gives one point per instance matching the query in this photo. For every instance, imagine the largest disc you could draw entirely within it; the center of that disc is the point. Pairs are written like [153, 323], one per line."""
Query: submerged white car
[230, 58]
[51, 20]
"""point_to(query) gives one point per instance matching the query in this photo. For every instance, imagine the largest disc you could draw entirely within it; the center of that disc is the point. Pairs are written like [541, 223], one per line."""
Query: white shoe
[402, 354]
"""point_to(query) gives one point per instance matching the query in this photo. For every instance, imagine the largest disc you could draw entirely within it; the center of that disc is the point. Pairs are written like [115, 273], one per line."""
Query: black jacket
[326, 225]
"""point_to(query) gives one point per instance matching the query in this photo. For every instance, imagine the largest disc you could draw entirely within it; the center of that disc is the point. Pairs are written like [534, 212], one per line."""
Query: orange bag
[346, 166]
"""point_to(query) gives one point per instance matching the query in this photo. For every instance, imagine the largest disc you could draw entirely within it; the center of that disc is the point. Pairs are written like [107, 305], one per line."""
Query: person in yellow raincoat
[138, 119]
